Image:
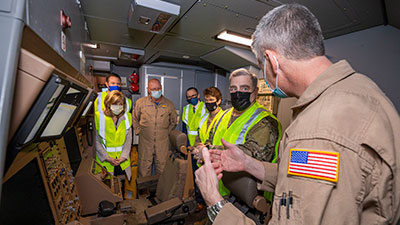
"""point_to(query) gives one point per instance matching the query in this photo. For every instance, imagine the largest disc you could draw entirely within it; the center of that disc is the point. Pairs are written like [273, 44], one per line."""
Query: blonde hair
[113, 98]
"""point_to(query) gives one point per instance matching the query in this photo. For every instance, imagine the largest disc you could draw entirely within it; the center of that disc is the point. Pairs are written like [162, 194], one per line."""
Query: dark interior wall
[374, 52]
[44, 19]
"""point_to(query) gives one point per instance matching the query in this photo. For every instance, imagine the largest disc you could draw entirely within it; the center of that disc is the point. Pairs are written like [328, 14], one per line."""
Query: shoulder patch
[321, 165]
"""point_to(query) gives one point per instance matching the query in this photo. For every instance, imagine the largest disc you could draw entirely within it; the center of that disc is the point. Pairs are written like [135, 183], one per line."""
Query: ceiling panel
[117, 33]
[184, 46]
[193, 32]
[338, 17]
[107, 9]
[204, 21]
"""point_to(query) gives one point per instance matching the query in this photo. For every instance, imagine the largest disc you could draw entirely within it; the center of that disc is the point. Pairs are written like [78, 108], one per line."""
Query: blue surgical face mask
[193, 101]
[114, 88]
[156, 94]
[277, 91]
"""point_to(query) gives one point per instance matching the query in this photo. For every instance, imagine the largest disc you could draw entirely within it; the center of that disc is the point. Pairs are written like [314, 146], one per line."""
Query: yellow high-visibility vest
[192, 120]
[204, 131]
[237, 132]
[112, 139]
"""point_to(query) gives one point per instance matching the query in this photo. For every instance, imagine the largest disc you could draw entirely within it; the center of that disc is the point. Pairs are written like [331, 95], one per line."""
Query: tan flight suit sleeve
[126, 150]
[270, 177]
[100, 151]
[229, 214]
[172, 117]
[136, 117]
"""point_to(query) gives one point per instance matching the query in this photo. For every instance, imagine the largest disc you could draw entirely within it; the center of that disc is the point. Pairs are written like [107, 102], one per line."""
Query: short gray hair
[291, 30]
[244, 72]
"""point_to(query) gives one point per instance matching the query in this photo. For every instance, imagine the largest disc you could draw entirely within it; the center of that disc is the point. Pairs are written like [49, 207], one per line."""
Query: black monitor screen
[24, 199]
[72, 145]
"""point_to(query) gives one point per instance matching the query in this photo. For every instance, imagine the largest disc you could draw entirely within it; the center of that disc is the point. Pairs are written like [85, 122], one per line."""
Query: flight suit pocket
[147, 118]
[163, 117]
[286, 209]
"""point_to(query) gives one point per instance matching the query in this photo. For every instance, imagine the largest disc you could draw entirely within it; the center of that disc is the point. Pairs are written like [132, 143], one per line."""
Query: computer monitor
[52, 112]
[64, 113]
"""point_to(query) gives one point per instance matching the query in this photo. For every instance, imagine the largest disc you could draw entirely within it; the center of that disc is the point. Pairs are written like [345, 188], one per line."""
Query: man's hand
[232, 159]
[207, 180]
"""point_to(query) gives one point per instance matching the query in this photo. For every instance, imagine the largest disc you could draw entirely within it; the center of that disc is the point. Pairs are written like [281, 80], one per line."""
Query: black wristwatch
[212, 211]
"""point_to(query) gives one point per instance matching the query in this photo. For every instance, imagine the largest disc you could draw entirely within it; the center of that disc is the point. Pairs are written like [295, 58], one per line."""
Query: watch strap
[212, 211]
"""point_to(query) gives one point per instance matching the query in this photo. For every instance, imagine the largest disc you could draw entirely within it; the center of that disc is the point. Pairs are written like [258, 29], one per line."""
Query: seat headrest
[242, 185]
[177, 139]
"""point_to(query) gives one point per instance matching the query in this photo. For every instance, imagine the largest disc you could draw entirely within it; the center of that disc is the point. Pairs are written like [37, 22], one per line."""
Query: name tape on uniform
[315, 164]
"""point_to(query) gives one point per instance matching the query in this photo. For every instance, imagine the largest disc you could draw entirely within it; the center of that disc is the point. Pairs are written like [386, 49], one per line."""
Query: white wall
[374, 52]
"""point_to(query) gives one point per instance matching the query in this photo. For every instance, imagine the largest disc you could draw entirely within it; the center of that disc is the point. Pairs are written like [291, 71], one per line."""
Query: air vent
[152, 15]
[130, 53]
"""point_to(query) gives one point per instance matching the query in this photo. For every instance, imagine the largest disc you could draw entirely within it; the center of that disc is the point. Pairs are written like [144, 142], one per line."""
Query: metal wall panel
[44, 19]
[204, 80]
[222, 83]
[11, 22]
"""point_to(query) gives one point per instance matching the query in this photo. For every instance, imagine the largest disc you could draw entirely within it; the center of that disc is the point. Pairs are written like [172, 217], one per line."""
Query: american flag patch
[315, 164]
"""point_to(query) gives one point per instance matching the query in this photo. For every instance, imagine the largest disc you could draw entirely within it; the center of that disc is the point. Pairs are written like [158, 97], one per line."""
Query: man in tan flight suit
[154, 117]
[337, 162]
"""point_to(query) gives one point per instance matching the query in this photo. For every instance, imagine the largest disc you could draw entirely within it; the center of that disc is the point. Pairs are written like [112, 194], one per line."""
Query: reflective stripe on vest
[204, 130]
[114, 149]
[99, 101]
[239, 128]
[102, 125]
[220, 119]
[194, 120]
[203, 119]
[186, 118]
[240, 139]
[203, 110]
[192, 132]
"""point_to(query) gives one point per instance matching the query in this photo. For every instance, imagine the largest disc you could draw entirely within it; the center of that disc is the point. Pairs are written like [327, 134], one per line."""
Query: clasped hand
[115, 162]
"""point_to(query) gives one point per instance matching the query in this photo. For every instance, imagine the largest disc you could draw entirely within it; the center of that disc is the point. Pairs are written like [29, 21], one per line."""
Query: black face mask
[240, 100]
[211, 106]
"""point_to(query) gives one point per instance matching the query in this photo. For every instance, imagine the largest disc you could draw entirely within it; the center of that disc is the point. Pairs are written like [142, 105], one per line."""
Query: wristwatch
[212, 211]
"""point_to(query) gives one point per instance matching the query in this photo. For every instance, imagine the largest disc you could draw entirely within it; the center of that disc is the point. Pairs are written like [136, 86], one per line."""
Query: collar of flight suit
[159, 103]
[335, 73]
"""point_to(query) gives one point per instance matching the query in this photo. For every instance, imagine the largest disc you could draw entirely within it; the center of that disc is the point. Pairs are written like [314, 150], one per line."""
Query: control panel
[61, 182]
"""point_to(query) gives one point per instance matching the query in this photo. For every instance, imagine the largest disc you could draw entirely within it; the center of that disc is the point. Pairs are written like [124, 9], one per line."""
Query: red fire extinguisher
[134, 82]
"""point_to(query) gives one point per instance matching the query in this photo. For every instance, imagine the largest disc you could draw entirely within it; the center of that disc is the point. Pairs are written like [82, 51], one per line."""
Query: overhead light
[90, 45]
[235, 38]
[186, 57]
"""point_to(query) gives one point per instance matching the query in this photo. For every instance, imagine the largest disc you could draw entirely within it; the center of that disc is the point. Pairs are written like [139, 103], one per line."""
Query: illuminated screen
[44, 113]
[65, 111]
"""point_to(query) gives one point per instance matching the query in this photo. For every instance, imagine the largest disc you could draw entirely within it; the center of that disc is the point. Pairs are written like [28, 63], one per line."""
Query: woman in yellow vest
[212, 97]
[114, 135]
